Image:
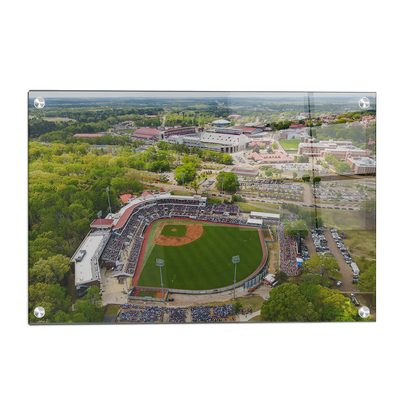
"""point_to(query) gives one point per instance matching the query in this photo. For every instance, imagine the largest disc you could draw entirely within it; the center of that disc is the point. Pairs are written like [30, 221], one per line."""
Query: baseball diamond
[205, 263]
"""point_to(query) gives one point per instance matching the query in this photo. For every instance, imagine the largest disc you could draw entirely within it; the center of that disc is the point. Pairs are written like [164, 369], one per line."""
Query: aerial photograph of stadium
[195, 207]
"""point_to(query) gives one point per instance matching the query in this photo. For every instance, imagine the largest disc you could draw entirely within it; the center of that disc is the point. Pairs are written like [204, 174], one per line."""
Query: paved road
[345, 269]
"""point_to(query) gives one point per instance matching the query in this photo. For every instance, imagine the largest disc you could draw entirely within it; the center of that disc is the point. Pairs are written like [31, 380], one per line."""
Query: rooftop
[105, 223]
[83, 268]
[221, 122]
[363, 161]
[147, 130]
[126, 197]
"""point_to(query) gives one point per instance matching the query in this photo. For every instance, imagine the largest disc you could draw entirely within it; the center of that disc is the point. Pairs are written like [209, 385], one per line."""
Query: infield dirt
[194, 231]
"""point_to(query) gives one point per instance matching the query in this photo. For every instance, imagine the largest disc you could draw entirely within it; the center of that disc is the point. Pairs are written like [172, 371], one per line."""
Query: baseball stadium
[195, 242]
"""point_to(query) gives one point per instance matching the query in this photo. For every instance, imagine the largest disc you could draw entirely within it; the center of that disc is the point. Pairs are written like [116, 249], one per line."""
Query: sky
[180, 94]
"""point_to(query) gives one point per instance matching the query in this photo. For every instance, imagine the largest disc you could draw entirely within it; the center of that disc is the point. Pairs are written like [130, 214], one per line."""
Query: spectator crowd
[287, 252]
[150, 314]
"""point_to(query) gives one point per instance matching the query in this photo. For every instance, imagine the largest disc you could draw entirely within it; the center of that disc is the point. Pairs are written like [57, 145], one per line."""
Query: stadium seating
[143, 215]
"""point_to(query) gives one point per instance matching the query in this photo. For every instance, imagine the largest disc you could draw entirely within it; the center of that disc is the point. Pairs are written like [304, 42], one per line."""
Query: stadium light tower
[109, 205]
[183, 182]
[222, 199]
[99, 217]
[235, 260]
[160, 263]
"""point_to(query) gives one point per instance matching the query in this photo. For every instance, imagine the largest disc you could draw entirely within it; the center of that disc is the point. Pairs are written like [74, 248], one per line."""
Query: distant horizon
[186, 95]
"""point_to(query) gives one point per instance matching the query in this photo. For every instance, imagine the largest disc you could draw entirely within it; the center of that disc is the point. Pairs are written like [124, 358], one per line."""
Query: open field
[205, 263]
[246, 207]
[290, 144]
[351, 220]
[112, 309]
[361, 242]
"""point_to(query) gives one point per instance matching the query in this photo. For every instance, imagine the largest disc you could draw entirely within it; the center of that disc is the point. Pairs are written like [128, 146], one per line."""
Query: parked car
[339, 283]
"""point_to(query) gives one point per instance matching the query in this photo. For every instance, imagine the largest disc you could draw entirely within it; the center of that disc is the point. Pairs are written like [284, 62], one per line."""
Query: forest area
[67, 187]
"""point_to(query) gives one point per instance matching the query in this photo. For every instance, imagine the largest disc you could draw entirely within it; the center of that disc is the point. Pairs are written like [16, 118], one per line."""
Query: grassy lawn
[249, 207]
[342, 219]
[112, 309]
[361, 242]
[255, 302]
[290, 144]
[205, 263]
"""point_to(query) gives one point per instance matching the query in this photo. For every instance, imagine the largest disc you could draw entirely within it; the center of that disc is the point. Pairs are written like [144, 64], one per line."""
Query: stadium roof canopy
[221, 122]
[254, 221]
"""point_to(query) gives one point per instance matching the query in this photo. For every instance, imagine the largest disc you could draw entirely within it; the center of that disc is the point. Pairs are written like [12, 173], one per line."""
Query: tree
[323, 264]
[367, 280]
[227, 159]
[269, 150]
[286, 303]
[194, 185]
[292, 228]
[294, 175]
[274, 145]
[305, 178]
[342, 167]
[50, 271]
[237, 307]
[281, 276]
[189, 171]
[231, 182]
[316, 180]
[90, 306]
[118, 184]
[333, 306]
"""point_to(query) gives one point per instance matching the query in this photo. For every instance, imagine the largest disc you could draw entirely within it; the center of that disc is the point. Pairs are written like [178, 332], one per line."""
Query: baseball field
[203, 263]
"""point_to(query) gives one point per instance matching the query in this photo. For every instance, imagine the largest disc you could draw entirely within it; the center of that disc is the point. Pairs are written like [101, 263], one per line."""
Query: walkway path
[244, 318]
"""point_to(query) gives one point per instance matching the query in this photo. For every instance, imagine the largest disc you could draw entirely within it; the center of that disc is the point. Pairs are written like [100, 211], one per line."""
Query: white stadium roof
[264, 215]
[221, 121]
[254, 221]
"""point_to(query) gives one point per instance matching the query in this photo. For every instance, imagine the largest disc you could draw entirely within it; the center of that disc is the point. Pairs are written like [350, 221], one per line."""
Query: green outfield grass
[205, 263]
[180, 230]
[144, 293]
[129, 131]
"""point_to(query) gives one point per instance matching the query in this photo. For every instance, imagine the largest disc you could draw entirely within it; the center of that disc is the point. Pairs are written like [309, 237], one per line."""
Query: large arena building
[221, 140]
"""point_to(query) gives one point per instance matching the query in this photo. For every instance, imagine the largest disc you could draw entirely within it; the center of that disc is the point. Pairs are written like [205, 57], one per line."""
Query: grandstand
[177, 131]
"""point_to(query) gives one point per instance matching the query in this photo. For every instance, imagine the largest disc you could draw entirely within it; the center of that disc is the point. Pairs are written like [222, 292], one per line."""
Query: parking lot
[345, 269]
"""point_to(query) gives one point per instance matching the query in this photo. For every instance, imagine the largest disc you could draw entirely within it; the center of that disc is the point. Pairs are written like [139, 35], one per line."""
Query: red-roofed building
[126, 197]
[146, 133]
[296, 126]
[247, 129]
[276, 157]
[146, 193]
[102, 223]
[234, 116]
